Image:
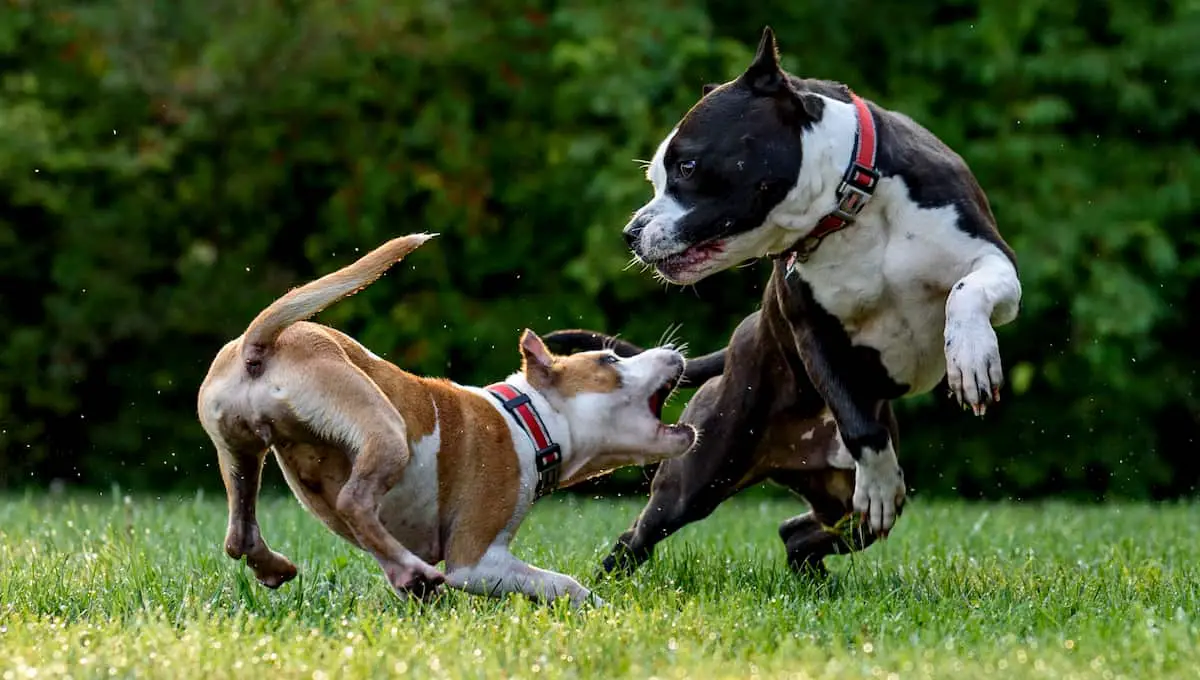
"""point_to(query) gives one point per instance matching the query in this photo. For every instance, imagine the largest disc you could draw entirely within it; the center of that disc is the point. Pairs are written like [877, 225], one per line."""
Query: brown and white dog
[418, 470]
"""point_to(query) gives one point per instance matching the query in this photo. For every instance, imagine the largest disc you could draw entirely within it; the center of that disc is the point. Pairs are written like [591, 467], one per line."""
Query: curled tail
[301, 303]
[696, 371]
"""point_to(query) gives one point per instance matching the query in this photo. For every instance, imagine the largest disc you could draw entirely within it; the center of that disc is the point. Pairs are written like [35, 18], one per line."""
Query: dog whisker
[667, 335]
[612, 342]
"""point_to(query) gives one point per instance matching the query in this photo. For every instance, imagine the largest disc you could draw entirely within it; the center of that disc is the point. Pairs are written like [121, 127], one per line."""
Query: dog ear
[811, 104]
[764, 75]
[536, 360]
[709, 88]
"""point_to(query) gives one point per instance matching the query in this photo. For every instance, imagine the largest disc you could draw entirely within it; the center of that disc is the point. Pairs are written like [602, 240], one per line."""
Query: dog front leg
[988, 296]
[241, 471]
[878, 481]
[499, 572]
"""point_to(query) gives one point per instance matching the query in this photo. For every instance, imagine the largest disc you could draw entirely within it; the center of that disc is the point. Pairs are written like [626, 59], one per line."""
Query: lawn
[104, 586]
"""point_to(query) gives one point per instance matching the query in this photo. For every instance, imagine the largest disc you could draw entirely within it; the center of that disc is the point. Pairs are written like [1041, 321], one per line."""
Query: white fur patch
[656, 172]
[879, 488]
[886, 276]
[827, 149]
[840, 457]
[410, 509]
[498, 572]
[662, 213]
[987, 296]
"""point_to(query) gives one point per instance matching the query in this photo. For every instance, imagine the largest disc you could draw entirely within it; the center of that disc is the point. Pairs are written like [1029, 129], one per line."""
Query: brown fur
[344, 426]
[478, 475]
[567, 375]
[579, 373]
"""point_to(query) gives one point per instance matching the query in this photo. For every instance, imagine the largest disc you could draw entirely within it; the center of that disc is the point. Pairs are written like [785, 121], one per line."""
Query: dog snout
[676, 362]
[671, 360]
[633, 230]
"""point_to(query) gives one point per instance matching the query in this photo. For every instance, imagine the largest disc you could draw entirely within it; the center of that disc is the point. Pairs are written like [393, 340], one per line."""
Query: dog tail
[578, 340]
[702, 369]
[695, 371]
[300, 303]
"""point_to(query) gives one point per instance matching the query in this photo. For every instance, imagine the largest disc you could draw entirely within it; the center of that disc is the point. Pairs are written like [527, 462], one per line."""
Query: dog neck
[557, 428]
[828, 148]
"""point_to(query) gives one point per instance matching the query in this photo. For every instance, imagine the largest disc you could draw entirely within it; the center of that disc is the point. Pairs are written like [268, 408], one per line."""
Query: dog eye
[686, 168]
[609, 359]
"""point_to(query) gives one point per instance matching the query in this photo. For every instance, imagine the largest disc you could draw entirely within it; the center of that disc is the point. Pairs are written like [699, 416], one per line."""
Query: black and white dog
[889, 275]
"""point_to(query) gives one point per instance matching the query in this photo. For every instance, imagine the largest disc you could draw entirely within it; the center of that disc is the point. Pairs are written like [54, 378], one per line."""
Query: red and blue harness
[548, 456]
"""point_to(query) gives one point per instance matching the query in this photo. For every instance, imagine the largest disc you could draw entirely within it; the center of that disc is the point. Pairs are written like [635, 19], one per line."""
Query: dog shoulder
[935, 175]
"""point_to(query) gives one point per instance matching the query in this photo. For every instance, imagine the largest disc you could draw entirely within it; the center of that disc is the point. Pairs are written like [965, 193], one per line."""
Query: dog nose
[633, 231]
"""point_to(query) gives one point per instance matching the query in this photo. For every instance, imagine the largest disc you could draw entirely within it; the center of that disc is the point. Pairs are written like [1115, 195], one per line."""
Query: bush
[167, 169]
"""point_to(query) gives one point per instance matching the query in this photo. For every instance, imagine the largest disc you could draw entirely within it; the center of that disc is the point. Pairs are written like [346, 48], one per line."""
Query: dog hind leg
[823, 531]
[340, 402]
[241, 470]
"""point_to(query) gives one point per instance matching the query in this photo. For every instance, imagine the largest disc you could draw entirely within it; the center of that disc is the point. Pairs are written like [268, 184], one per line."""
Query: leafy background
[168, 168]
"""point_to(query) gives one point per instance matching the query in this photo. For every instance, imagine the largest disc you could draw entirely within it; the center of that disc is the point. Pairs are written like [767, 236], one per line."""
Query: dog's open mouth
[691, 257]
[658, 399]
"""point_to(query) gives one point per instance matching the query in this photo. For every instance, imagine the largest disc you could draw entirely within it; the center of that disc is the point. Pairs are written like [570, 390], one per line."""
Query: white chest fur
[410, 509]
[887, 276]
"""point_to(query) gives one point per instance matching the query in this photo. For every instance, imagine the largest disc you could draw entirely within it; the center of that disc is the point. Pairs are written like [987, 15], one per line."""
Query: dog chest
[885, 279]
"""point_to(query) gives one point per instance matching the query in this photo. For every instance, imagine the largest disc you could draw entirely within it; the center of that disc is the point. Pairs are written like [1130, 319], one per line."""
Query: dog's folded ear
[536, 360]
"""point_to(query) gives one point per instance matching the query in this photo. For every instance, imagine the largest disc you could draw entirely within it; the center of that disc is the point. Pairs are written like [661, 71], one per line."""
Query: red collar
[548, 456]
[858, 184]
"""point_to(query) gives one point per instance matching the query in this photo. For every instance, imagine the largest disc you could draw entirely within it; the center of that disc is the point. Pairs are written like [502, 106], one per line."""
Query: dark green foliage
[167, 169]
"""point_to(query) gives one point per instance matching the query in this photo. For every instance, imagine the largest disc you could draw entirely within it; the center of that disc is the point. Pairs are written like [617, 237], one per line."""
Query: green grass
[101, 587]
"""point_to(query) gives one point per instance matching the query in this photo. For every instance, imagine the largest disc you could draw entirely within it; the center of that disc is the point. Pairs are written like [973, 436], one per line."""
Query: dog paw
[272, 571]
[879, 489]
[416, 579]
[585, 598]
[973, 370]
[621, 561]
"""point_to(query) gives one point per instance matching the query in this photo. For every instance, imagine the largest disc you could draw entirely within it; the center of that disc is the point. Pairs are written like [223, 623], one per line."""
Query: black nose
[633, 231]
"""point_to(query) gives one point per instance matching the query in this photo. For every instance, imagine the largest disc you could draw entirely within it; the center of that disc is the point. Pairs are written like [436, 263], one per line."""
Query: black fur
[744, 137]
[695, 372]
[761, 416]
